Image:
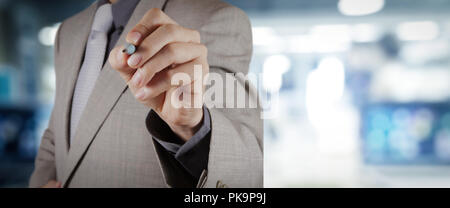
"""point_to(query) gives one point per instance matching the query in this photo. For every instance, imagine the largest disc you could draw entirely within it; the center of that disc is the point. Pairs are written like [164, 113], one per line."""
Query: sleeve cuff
[193, 154]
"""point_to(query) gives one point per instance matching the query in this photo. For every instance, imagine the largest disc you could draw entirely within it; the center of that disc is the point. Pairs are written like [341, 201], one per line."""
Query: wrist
[186, 131]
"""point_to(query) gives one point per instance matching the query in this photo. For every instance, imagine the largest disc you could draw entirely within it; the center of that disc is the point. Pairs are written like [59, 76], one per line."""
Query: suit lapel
[107, 91]
[74, 53]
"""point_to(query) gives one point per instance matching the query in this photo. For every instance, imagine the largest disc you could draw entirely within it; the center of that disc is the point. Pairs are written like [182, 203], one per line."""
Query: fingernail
[140, 94]
[137, 79]
[135, 37]
[134, 60]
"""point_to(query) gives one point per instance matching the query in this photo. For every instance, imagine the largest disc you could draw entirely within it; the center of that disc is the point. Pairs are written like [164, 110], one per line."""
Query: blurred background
[361, 89]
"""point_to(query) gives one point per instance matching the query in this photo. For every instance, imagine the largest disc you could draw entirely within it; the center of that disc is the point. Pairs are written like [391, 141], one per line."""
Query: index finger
[149, 23]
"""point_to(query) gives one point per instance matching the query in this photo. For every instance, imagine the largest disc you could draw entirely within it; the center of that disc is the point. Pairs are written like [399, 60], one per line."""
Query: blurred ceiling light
[364, 33]
[334, 121]
[399, 84]
[48, 78]
[330, 38]
[337, 32]
[263, 35]
[324, 87]
[267, 41]
[300, 44]
[360, 7]
[328, 79]
[320, 39]
[273, 69]
[47, 34]
[315, 44]
[421, 53]
[423, 30]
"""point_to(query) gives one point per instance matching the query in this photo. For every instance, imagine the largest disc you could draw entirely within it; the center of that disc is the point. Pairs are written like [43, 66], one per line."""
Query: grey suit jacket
[112, 146]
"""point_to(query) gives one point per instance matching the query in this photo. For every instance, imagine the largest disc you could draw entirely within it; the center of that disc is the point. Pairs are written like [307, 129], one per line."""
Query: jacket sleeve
[236, 142]
[44, 165]
[193, 154]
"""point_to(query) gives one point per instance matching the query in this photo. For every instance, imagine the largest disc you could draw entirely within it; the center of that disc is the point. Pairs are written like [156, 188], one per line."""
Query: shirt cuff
[192, 155]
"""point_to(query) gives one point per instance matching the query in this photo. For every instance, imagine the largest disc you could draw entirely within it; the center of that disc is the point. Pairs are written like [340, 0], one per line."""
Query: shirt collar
[122, 11]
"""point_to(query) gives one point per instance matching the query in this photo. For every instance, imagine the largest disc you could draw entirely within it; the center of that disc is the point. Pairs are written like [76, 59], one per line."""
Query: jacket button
[219, 184]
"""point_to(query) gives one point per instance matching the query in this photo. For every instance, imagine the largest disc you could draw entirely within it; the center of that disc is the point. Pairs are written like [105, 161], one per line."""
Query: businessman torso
[112, 146]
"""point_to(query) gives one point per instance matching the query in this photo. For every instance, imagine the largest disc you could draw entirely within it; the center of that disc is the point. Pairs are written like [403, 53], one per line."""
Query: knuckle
[152, 94]
[170, 28]
[140, 27]
[154, 13]
[170, 50]
[156, 10]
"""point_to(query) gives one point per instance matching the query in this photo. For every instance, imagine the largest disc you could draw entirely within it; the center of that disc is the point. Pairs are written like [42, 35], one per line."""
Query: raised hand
[161, 72]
